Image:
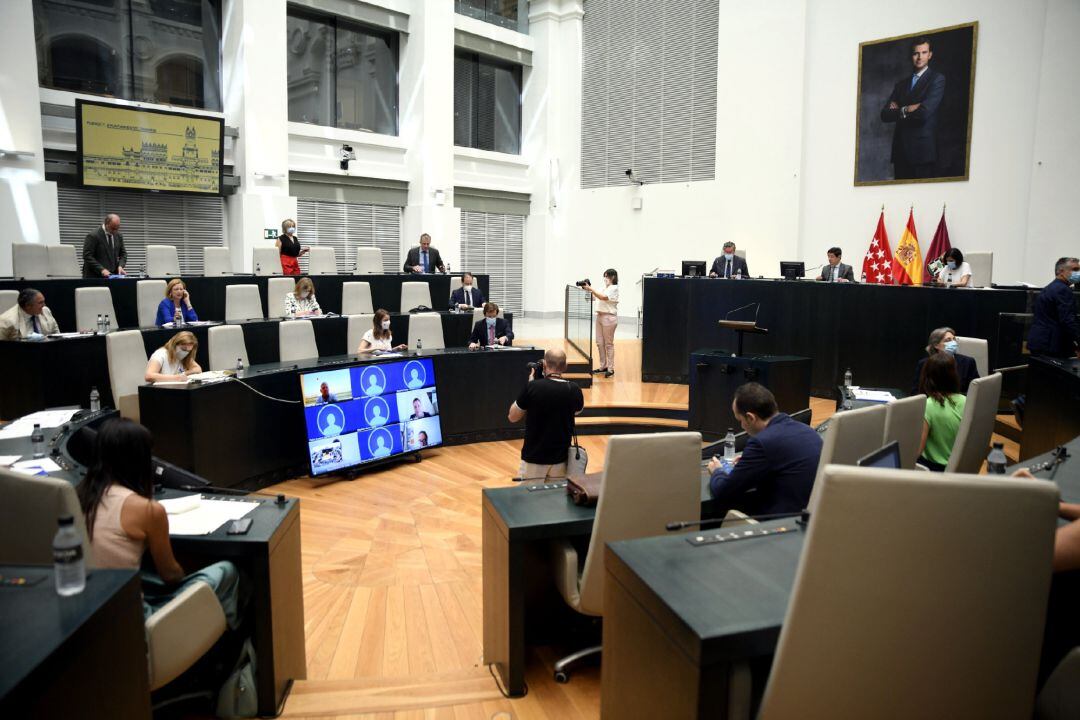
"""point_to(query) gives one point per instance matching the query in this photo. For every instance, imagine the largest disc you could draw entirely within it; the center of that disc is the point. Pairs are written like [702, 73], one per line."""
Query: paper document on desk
[39, 466]
[204, 517]
[209, 376]
[24, 426]
[879, 396]
[71, 334]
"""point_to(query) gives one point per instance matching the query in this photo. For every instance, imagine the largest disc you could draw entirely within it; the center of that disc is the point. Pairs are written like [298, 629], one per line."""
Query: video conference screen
[358, 414]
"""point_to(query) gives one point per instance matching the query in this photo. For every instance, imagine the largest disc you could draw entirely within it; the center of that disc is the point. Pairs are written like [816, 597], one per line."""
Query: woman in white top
[175, 360]
[301, 301]
[379, 336]
[956, 272]
[607, 317]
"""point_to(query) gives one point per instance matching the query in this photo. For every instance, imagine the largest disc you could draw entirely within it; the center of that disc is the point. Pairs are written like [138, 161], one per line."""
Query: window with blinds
[494, 243]
[347, 226]
[189, 222]
[648, 91]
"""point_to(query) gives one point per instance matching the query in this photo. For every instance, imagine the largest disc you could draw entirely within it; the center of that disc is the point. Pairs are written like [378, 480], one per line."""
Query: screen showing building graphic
[127, 147]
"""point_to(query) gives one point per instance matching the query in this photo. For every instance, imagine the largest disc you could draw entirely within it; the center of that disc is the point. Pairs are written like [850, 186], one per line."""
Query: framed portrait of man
[913, 113]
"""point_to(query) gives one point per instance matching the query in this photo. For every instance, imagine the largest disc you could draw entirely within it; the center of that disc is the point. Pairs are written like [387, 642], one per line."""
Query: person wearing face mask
[607, 318]
[301, 301]
[776, 471]
[956, 272]
[492, 330]
[379, 336]
[175, 360]
[176, 301]
[940, 384]
[289, 248]
[729, 265]
[1054, 330]
[943, 340]
[467, 296]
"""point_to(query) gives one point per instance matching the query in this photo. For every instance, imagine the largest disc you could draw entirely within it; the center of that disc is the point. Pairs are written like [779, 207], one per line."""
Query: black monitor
[693, 268]
[792, 270]
[886, 457]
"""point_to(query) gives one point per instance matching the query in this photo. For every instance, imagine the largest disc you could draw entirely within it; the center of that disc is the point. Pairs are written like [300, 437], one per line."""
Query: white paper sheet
[40, 466]
[209, 516]
[24, 426]
[6, 460]
[881, 396]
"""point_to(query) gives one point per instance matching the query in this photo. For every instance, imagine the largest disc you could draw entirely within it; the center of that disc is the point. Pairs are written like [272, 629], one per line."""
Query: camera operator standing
[548, 404]
[607, 317]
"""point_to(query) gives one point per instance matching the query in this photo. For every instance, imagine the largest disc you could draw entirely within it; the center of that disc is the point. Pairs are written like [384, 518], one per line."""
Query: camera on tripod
[583, 283]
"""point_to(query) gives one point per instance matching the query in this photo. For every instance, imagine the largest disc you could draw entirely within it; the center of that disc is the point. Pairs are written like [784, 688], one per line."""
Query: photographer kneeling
[548, 404]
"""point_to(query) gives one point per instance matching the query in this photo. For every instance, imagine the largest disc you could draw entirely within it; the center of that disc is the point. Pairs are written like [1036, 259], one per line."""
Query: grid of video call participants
[358, 414]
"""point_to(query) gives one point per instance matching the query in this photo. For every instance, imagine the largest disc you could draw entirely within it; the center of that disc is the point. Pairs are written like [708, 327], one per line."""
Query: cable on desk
[491, 669]
[268, 397]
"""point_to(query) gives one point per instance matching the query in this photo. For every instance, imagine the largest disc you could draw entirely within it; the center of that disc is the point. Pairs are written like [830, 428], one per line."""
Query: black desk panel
[1052, 412]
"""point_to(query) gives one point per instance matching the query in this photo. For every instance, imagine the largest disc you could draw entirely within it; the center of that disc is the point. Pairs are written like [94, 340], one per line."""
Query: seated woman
[956, 272]
[943, 340]
[177, 300]
[123, 520]
[301, 301]
[175, 360]
[379, 336]
[944, 410]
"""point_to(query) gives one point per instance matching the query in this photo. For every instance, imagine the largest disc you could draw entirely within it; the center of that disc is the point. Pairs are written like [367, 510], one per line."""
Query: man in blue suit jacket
[492, 330]
[776, 471]
[913, 106]
[467, 296]
[1054, 329]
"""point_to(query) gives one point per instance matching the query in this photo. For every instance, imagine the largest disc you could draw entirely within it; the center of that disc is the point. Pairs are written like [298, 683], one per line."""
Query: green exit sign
[270, 234]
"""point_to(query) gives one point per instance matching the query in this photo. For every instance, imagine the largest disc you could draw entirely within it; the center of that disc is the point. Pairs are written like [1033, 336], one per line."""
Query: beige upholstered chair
[322, 261]
[162, 261]
[369, 261]
[982, 268]
[356, 298]
[226, 346]
[903, 423]
[905, 605]
[265, 261]
[8, 299]
[149, 294]
[414, 294]
[296, 340]
[455, 283]
[217, 261]
[91, 302]
[358, 325]
[1059, 698]
[127, 370]
[478, 314]
[276, 290]
[973, 438]
[63, 262]
[428, 328]
[29, 261]
[851, 435]
[649, 480]
[243, 302]
[975, 348]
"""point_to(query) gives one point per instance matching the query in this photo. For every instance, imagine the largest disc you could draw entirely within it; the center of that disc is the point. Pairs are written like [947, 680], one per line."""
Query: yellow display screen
[126, 147]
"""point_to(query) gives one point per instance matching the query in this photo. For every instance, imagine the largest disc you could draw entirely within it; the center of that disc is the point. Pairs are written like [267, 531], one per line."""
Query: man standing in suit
[729, 264]
[1054, 329]
[27, 317]
[913, 106]
[836, 271]
[424, 258]
[103, 250]
[492, 330]
[467, 296]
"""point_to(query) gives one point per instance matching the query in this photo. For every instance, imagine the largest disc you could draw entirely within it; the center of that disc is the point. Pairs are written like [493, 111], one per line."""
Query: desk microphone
[729, 312]
[683, 524]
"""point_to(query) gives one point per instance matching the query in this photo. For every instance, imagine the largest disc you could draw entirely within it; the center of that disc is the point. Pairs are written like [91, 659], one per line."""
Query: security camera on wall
[633, 178]
[347, 154]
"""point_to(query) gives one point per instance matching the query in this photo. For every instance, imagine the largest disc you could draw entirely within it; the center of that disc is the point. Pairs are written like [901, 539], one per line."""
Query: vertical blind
[494, 243]
[346, 226]
[648, 91]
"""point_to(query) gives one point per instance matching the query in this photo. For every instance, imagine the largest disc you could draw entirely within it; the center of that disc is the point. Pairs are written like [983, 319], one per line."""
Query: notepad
[879, 396]
[206, 516]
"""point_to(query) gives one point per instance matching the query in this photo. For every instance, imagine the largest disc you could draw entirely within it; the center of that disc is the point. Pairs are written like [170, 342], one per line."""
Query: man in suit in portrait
[834, 270]
[729, 264]
[913, 106]
[423, 258]
[468, 295]
[103, 250]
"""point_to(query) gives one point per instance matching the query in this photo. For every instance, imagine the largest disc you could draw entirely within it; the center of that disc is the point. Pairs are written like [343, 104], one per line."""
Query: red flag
[907, 262]
[938, 246]
[877, 264]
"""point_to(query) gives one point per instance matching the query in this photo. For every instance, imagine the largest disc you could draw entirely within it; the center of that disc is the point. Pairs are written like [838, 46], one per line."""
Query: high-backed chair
[322, 261]
[276, 290]
[369, 261]
[356, 298]
[982, 267]
[162, 261]
[415, 294]
[127, 370]
[226, 346]
[296, 340]
[903, 423]
[63, 262]
[973, 436]
[243, 302]
[1059, 698]
[265, 261]
[975, 348]
[649, 480]
[217, 261]
[149, 294]
[358, 325]
[851, 435]
[478, 314]
[428, 328]
[8, 299]
[29, 261]
[868, 633]
[455, 283]
[91, 302]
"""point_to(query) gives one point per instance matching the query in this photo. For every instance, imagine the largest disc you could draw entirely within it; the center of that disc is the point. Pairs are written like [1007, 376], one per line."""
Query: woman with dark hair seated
[123, 520]
[956, 272]
[944, 410]
[943, 340]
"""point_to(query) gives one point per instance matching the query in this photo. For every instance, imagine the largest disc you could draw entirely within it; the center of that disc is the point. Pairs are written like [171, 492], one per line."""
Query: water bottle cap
[66, 520]
[998, 446]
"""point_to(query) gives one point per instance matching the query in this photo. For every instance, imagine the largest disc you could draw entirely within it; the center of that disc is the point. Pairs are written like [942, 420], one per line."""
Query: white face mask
[181, 353]
[290, 231]
[304, 295]
[385, 324]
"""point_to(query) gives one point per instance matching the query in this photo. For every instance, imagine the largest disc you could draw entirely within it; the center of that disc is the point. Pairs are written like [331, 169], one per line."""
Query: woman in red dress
[290, 248]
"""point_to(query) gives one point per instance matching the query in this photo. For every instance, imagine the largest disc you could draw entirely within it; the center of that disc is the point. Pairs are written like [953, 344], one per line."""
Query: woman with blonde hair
[289, 248]
[301, 301]
[175, 360]
[177, 301]
[379, 336]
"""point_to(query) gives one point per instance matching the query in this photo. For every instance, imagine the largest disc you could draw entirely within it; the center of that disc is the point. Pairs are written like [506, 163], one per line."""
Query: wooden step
[582, 380]
[315, 698]
[672, 411]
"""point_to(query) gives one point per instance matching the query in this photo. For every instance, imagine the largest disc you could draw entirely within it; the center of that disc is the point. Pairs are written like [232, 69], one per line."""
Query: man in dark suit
[467, 296]
[729, 264]
[913, 106]
[492, 330]
[776, 471]
[834, 270]
[103, 250]
[423, 258]
[1054, 330]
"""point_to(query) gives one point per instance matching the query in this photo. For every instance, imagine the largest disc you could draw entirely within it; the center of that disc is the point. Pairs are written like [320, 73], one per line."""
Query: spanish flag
[907, 266]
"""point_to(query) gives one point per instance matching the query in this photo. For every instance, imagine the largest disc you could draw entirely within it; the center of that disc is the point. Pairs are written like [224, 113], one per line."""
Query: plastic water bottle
[95, 399]
[862, 278]
[729, 445]
[738, 274]
[107, 324]
[178, 318]
[239, 365]
[447, 268]
[68, 559]
[37, 441]
[996, 460]
[99, 323]
[847, 378]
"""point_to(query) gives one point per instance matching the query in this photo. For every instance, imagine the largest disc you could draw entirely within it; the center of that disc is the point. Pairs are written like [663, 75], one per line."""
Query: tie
[491, 334]
[424, 258]
[914, 79]
[727, 273]
[34, 324]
